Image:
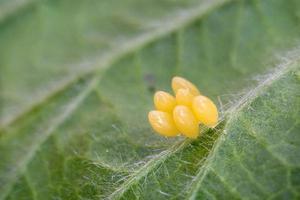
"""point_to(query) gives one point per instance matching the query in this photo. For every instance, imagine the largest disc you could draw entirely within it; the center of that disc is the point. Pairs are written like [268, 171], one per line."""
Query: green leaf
[77, 81]
[257, 157]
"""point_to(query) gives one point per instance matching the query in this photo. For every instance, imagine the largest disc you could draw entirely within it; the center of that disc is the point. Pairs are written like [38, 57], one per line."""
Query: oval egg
[163, 123]
[184, 97]
[185, 121]
[164, 101]
[205, 111]
[181, 83]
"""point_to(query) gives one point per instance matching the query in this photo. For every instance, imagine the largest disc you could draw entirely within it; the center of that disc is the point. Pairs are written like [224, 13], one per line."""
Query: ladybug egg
[205, 111]
[163, 101]
[184, 97]
[185, 121]
[163, 123]
[181, 83]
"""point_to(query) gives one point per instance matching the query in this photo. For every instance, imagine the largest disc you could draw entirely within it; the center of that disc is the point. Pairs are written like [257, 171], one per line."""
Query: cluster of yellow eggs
[183, 113]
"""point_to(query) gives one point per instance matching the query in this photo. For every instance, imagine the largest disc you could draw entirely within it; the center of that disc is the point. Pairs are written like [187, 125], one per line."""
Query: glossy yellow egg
[163, 123]
[163, 101]
[181, 83]
[205, 111]
[185, 121]
[184, 97]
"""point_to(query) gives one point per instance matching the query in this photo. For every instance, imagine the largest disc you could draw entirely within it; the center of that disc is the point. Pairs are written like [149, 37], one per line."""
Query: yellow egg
[185, 121]
[205, 111]
[163, 123]
[163, 101]
[181, 83]
[184, 97]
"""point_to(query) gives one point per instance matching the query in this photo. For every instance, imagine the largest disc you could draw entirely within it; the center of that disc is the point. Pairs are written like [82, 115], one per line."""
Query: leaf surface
[77, 86]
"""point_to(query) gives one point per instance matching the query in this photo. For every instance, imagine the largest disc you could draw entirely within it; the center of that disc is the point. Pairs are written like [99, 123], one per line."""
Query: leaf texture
[77, 86]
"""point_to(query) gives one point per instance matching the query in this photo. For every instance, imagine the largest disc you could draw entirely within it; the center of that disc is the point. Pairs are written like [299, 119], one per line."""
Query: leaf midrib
[234, 111]
[231, 112]
[167, 26]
